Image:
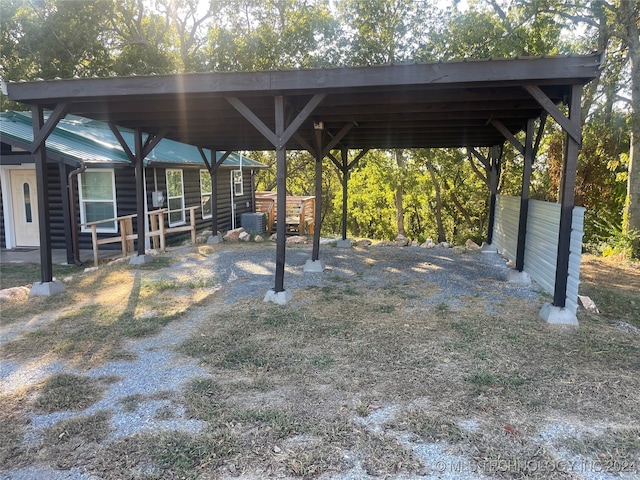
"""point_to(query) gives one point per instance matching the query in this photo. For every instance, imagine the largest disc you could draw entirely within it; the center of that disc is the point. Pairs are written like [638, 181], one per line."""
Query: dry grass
[355, 375]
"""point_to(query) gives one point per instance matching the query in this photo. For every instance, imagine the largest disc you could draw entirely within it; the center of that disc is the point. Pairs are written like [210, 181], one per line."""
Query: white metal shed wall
[541, 247]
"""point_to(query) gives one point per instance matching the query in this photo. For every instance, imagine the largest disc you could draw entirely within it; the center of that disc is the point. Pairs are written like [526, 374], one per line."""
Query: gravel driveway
[246, 271]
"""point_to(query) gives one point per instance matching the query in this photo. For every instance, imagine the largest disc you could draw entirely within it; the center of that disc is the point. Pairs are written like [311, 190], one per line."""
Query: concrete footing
[281, 298]
[46, 289]
[558, 315]
[521, 278]
[141, 259]
[313, 266]
[346, 243]
[488, 248]
[213, 239]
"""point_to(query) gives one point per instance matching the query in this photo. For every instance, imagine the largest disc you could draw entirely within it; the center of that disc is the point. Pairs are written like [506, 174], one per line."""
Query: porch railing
[157, 231]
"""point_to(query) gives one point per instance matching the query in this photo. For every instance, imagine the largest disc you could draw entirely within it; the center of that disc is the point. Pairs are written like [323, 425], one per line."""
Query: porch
[299, 217]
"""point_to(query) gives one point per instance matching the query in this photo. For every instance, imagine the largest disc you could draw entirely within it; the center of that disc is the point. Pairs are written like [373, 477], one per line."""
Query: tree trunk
[631, 218]
[438, 210]
[399, 193]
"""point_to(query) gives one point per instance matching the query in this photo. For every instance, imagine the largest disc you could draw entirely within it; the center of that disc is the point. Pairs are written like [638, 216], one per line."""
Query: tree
[54, 38]
[262, 35]
[142, 40]
[612, 27]
[188, 22]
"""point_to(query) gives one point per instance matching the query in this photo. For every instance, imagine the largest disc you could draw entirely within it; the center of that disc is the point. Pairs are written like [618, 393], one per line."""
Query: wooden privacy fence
[157, 231]
[300, 214]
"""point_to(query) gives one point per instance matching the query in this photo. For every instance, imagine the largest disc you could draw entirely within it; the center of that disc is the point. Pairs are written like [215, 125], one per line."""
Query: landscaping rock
[244, 237]
[402, 241]
[273, 237]
[428, 244]
[10, 293]
[363, 243]
[471, 245]
[203, 236]
[233, 235]
[258, 238]
[588, 304]
[296, 240]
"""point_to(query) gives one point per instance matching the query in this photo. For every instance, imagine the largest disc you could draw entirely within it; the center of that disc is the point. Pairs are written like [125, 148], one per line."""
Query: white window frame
[203, 193]
[182, 220]
[238, 186]
[82, 202]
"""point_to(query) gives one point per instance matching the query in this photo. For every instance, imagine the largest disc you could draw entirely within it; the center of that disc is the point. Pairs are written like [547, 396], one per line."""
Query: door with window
[25, 208]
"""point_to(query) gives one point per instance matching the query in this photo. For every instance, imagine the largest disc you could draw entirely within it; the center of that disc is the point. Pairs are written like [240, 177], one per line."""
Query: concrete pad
[344, 243]
[558, 315]
[214, 239]
[314, 266]
[141, 259]
[521, 278]
[280, 298]
[46, 289]
[488, 248]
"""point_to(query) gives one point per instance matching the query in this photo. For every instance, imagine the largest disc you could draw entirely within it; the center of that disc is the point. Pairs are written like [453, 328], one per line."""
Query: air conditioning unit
[254, 223]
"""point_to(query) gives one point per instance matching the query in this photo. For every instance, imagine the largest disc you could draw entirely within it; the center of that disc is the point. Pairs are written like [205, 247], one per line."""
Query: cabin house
[87, 155]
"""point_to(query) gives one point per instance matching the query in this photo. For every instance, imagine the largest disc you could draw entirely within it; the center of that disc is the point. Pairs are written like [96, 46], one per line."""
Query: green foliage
[429, 193]
[614, 240]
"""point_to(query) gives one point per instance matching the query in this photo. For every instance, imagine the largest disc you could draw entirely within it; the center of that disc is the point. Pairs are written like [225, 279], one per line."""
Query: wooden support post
[123, 237]
[162, 231]
[569, 167]
[281, 182]
[94, 241]
[192, 222]
[315, 254]
[494, 177]
[524, 197]
[139, 192]
[129, 231]
[153, 220]
[345, 180]
[40, 158]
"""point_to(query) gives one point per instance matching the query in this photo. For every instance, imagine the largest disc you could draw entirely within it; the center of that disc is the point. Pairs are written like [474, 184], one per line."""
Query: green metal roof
[90, 141]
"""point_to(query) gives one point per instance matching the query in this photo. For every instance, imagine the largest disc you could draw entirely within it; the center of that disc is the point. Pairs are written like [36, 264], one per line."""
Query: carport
[433, 105]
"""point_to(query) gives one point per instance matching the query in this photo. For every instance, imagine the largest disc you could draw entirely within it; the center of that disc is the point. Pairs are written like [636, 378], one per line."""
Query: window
[237, 182]
[26, 192]
[175, 197]
[97, 192]
[205, 193]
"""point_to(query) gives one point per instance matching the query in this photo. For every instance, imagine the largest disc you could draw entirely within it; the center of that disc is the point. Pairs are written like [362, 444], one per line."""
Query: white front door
[25, 208]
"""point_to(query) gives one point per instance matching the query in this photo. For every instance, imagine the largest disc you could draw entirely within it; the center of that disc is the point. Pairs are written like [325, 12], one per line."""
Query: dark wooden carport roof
[453, 104]
[393, 106]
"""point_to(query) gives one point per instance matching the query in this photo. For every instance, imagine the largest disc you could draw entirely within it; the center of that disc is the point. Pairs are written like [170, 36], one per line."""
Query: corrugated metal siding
[541, 248]
[505, 230]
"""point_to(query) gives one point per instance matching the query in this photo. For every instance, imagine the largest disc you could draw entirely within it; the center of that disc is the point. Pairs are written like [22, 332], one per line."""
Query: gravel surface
[248, 272]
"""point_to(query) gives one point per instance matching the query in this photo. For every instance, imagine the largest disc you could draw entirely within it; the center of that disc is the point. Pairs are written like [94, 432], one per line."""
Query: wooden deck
[300, 214]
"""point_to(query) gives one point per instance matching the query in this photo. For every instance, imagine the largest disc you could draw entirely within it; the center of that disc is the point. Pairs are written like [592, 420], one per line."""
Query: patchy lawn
[353, 377]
